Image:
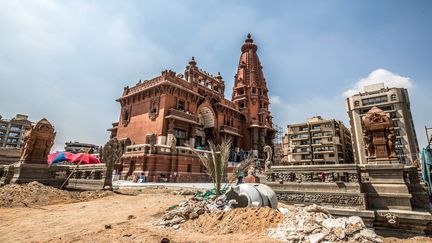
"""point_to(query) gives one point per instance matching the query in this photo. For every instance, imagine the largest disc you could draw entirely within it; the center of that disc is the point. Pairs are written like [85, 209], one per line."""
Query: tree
[216, 161]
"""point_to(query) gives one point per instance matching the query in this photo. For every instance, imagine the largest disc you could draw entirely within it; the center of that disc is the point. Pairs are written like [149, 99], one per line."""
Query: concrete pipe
[251, 195]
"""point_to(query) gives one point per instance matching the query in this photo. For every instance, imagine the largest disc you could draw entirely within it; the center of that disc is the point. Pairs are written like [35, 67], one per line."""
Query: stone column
[192, 135]
[171, 126]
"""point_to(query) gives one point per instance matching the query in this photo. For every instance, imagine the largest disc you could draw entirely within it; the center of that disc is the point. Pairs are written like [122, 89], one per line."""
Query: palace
[192, 108]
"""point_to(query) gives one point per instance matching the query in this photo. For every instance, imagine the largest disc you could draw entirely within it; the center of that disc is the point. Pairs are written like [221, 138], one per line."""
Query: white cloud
[380, 75]
[275, 100]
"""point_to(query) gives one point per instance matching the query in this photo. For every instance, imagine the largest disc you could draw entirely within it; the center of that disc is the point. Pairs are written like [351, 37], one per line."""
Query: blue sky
[69, 60]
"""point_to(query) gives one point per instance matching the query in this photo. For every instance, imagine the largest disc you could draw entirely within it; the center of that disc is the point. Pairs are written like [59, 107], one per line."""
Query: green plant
[216, 161]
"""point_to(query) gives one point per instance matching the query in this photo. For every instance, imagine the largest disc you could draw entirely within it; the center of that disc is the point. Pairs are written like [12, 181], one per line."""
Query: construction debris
[35, 193]
[185, 192]
[208, 202]
[190, 209]
[314, 224]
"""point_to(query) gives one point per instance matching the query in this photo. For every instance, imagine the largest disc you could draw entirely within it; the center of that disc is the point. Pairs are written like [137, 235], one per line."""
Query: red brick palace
[192, 107]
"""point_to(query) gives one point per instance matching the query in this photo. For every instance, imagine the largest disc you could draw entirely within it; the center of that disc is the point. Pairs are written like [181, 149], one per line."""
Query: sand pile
[34, 193]
[239, 220]
[314, 224]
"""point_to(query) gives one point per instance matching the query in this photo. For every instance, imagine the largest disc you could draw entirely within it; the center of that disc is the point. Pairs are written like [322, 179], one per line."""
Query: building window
[13, 134]
[125, 117]
[15, 128]
[189, 168]
[253, 90]
[331, 155]
[181, 105]
[356, 103]
[316, 127]
[395, 124]
[393, 115]
[375, 100]
[393, 97]
[181, 136]
[242, 105]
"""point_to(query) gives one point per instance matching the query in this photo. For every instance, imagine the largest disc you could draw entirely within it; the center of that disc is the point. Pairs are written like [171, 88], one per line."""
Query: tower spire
[250, 94]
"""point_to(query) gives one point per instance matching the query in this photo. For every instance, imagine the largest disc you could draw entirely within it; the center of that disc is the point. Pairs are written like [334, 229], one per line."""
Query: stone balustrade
[315, 173]
[160, 149]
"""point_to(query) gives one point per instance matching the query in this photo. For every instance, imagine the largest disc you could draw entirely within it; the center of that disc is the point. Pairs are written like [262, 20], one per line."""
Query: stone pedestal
[252, 179]
[385, 187]
[25, 173]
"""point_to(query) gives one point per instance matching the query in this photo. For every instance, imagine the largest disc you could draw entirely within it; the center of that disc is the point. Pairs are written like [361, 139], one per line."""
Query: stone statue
[33, 163]
[378, 135]
[367, 137]
[391, 139]
[111, 155]
[268, 161]
[172, 143]
[151, 140]
[28, 142]
[38, 141]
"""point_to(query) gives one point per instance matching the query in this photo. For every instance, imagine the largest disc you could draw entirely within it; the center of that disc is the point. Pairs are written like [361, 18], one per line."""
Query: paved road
[123, 183]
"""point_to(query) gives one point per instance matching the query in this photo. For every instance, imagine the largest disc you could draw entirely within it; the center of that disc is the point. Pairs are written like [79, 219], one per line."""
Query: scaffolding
[428, 131]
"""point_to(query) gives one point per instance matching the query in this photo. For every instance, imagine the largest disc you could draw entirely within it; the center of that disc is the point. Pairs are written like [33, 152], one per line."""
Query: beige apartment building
[12, 131]
[394, 102]
[317, 141]
[11, 138]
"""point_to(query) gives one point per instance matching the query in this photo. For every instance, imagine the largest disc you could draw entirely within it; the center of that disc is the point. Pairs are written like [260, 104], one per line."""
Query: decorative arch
[206, 117]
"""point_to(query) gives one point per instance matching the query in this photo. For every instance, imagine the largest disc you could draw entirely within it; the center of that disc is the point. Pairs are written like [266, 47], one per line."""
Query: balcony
[299, 137]
[315, 129]
[229, 130]
[300, 152]
[182, 116]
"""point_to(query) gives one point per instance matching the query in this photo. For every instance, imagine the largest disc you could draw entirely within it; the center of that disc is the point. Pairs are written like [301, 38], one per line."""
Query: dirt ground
[123, 217]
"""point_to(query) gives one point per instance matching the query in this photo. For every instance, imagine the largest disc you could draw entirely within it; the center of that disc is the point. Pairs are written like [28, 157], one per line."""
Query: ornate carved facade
[379, 137]
[191, 109]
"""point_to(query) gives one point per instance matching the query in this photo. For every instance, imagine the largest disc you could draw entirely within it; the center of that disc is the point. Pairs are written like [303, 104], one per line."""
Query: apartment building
[317, 141]
[394, 102]
[12, 131]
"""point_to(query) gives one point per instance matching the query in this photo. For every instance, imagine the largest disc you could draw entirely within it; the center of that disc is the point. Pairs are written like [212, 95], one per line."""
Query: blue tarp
[59, 158]
[426, 163]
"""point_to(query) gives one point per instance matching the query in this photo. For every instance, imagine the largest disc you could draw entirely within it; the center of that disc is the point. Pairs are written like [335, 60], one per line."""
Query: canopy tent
[84, 158]
[72, 158]
[58, 157]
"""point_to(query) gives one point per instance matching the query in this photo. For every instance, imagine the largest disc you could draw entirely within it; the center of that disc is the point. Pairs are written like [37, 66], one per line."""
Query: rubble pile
[314, 224]
[176, 215]
[209, 214]
[185, 192]
[35, 193]
[238, 220]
